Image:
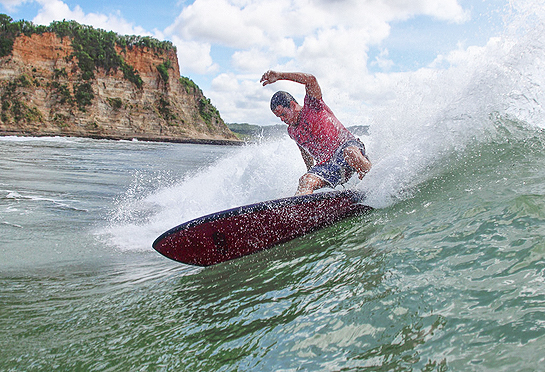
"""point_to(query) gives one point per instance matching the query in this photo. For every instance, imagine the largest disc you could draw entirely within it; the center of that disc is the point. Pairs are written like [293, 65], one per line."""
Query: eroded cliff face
[42, 92]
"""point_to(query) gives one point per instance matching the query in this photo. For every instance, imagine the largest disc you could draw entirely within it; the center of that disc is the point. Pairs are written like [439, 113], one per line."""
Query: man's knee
[310, 180]
[308, 183]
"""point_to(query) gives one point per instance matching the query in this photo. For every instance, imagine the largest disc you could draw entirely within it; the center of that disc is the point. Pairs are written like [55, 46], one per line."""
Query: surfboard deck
[241, 231]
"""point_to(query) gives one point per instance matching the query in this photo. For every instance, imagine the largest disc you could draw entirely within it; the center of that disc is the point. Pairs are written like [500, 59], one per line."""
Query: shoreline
[197, 141]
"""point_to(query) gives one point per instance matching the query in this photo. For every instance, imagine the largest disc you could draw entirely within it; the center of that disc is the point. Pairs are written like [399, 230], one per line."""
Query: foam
[437, 112]
[252, 173]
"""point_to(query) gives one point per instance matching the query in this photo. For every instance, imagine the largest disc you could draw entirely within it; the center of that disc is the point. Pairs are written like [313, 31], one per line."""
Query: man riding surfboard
[331, 153]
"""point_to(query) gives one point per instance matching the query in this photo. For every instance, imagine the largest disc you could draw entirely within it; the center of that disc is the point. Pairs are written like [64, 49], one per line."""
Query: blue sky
[356, 48]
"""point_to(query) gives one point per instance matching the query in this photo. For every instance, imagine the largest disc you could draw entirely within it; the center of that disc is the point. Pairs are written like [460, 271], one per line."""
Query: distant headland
[68, 79]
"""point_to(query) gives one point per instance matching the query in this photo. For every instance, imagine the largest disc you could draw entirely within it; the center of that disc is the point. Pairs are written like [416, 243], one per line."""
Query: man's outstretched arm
[311, 84]
[307, 158]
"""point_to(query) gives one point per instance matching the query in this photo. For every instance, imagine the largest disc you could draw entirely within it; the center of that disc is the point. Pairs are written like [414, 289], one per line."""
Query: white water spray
[437, 112]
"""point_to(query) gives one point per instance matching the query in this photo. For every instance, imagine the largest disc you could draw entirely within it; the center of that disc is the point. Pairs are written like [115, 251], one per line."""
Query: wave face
[447, 273]
[487, 95]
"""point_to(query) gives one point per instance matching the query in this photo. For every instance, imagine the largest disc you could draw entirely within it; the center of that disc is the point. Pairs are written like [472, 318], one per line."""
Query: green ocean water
[446, 274]
[451, 277]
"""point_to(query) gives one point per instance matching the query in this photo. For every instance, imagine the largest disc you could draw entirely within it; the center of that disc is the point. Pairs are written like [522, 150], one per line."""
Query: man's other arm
[309, 81]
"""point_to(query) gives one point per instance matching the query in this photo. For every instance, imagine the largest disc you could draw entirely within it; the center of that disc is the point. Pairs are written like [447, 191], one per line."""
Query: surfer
[331, 153]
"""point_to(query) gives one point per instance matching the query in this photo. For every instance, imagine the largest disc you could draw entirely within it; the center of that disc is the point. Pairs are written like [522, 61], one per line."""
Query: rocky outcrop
[44, 90]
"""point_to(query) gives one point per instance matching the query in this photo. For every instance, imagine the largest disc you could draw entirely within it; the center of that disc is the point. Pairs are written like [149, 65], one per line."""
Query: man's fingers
[268, 78]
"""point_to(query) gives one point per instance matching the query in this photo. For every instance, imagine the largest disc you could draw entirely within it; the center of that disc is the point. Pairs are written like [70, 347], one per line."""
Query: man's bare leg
[308, 183]
[356, 160]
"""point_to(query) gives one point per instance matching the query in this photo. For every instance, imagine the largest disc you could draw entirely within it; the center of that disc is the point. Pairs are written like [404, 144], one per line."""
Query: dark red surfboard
[241, 231]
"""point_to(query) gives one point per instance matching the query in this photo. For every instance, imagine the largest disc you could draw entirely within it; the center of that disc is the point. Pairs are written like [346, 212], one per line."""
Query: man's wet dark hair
[281, 98]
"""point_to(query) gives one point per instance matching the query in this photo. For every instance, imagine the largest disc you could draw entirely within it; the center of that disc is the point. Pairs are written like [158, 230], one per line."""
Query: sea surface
[446, 274]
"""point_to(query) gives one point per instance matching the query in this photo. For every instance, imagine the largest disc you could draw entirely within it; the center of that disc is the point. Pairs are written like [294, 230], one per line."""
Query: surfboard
[241, 231]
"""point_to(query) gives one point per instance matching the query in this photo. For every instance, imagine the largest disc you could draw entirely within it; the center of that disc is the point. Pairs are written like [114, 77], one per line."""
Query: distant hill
[359, 130]
[252, 132]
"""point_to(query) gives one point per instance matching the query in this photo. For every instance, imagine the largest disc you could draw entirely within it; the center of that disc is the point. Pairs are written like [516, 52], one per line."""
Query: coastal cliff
[72, 80]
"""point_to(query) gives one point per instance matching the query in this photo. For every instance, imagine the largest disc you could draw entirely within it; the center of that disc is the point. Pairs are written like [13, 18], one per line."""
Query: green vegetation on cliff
[14, 105]
[96, 39]
[207, 110]
[8, 32]
[75, 97]
[163, 70]
[189, 85]
[93, 48]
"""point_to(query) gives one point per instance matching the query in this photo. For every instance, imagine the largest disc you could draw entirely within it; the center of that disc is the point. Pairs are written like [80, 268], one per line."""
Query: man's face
[287, 114]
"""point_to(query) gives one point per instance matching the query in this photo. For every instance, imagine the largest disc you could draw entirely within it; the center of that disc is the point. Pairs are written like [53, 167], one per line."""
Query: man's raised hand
[269, 77]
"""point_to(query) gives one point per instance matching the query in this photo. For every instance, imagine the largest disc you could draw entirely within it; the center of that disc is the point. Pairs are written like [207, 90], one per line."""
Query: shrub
[83, 93]
[163, 70]
[94, 48]
[116, 103]
[189, 85]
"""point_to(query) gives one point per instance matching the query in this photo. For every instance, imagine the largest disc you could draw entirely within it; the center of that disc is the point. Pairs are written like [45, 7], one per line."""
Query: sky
[358, 49]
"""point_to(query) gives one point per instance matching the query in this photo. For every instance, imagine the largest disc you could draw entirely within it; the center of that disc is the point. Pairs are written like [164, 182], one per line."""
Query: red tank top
[318, 130]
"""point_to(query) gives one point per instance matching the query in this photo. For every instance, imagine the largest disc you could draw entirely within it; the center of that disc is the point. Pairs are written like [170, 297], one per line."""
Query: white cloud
[11, 5]
[283, 47]
[56, 10]
[216, 21]
[330, 39]
[225, 82]
[260, 23]
[461, 56]
[446, 10]
[252, 60]
[241, 98]
[194, 57]
[382, 61]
